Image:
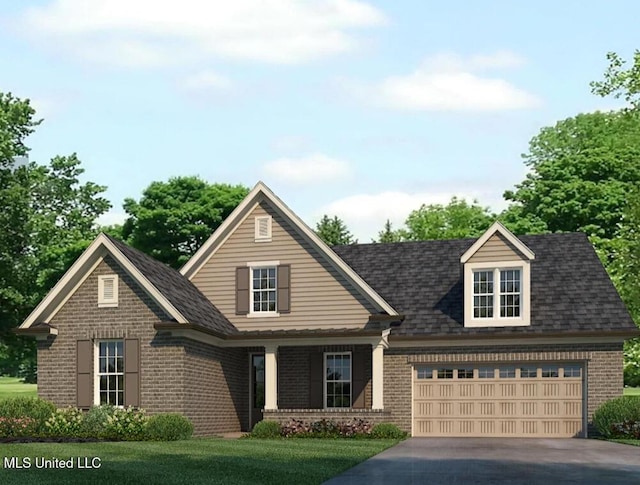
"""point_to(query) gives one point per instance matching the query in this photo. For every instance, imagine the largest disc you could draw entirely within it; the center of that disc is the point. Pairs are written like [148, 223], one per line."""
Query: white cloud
[314, 168]
[447, 82]
[153, 33]
[206, 81]
[365, 214]
[111, 218]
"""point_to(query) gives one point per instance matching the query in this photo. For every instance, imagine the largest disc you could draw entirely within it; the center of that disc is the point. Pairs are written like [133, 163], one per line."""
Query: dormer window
[497, 276]
[108, 291]
[263, 229]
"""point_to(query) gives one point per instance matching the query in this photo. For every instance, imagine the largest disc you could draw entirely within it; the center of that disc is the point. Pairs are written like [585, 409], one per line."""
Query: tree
[334, 231]
[388, 235]
[619, 82]
[48, 217]
[457, 219]
[581, 172]
[173, 219]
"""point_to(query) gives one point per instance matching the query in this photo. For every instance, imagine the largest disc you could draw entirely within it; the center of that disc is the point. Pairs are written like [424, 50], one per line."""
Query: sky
[361, 109]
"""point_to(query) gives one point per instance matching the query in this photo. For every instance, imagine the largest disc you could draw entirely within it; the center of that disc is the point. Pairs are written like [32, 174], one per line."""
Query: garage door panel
[544, 403]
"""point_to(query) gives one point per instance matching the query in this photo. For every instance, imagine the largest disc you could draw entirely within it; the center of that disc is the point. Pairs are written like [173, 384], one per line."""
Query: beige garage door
[498, 400]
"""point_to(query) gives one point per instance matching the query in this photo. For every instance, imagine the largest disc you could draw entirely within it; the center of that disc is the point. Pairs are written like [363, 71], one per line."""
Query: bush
[356, 428]
[387, 431]
[627, 429]
[96, 421]
[615, 412]
[65, 423]
[127, 424]
[168, 427]
[266, 429]
[33, 412]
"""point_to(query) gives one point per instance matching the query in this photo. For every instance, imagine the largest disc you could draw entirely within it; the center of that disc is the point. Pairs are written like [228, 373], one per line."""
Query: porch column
[270, 377]
[378, 376]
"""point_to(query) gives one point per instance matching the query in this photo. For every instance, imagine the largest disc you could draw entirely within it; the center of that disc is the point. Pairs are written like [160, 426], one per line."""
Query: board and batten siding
[321, 298]
[496, 248]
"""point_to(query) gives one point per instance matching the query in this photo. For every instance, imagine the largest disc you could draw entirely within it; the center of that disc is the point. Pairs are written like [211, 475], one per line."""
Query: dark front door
[257, 388]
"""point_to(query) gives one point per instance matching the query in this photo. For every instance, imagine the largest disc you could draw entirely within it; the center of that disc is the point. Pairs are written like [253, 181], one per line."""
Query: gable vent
[263, 229]
[108, 291]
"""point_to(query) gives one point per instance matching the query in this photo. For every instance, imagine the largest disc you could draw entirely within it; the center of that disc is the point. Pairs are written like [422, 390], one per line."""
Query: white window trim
[258, 237]
[497, 321]
[96, 368]
[106, 303]
[261, 265]
[324, 378]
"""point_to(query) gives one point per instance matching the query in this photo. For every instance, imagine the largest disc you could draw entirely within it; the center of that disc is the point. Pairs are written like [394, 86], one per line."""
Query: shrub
[616, 411]
[627, 429]
[387, 431]
[126, 424]
[325, 428]
[35, 409]
[96, 421]
[65, 423]
[168, 427]
[295, 428]
[266, 429]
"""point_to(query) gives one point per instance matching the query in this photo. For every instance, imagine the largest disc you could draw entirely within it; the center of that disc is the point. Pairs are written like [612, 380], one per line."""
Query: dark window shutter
[284, 293]
[358, 377]
[84, 367]
[316, 380]
[132, 372]
[242, 291]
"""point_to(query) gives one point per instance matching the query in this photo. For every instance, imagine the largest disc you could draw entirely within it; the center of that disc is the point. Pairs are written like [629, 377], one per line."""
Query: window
[497, 294]
[550, 371]
[507, 373]
[264, 289]
[445, 373]
[263, 229]
[425, 373]
[528, 372]
[337, 380]
[572, 371]
[108, 291]
[111, 372]
[465, 373]
[486, 373]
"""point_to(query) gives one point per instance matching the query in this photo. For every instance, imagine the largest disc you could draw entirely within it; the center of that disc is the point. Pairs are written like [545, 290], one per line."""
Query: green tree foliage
[172, 219]
[47, 219]
[334, 231]
[457, 219]
[619, 82]
[388, 234]
[581, 171]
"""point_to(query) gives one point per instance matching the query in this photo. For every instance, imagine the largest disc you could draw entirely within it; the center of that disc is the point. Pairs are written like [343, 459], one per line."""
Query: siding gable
[497, 248]
[320, 297]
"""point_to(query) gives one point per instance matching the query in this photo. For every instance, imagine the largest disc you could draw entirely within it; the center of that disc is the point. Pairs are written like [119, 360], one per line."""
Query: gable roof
[570, 290]
[498, 228]
[176, 295]
[262, 193]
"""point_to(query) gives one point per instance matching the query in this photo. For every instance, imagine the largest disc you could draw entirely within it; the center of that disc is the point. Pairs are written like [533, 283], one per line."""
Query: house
[499, 336]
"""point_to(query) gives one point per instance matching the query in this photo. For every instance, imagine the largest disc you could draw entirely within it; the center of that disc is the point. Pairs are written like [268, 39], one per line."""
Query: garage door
[498, 400]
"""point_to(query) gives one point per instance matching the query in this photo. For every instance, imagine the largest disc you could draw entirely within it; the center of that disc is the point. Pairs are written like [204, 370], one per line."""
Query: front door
[256, 390]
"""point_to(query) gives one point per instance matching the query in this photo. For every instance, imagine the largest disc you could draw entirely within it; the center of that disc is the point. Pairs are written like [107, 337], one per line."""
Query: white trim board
[504, 232]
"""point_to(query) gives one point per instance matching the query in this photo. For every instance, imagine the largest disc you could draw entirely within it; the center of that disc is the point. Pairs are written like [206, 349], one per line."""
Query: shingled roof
[570, 290]
[182, 294]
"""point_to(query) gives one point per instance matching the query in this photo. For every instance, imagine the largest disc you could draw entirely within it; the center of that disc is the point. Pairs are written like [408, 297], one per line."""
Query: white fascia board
[506, 233]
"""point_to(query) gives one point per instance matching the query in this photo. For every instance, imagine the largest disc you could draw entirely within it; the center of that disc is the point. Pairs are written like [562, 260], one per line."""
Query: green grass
[626, 442]
[243, 461]
[12, 387]
[632, 391]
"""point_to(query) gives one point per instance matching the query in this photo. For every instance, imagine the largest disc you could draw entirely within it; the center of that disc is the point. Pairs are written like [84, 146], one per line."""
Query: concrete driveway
[497, 460]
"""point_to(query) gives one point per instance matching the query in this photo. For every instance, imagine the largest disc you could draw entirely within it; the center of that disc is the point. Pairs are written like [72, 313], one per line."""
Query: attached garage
[506, 400]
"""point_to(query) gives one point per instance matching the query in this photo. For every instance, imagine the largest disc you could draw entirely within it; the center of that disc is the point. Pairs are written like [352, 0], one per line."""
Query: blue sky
[361, 109]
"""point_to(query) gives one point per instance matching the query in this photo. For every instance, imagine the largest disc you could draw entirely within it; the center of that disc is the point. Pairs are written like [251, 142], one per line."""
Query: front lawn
[12, 387]
[632, 391]
[626, 442]
[211, 460]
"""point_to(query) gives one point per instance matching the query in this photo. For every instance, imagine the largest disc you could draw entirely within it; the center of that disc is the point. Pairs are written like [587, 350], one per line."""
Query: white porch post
[378, 376]
[270, 377]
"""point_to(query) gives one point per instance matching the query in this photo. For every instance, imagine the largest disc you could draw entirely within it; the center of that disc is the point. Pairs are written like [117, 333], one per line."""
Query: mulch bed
[25, 439]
